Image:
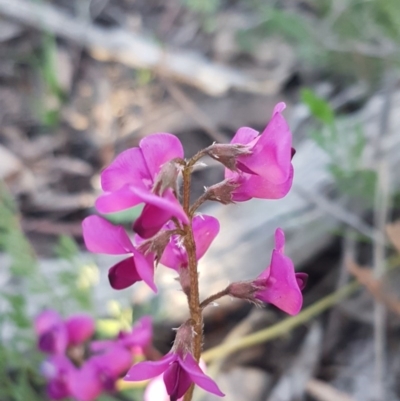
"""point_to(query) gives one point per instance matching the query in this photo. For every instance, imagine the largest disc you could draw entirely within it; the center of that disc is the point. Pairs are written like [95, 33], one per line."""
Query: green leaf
[319, 108]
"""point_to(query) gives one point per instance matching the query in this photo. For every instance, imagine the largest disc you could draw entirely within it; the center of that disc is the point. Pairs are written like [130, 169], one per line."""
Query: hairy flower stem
[214, 297]
[193, 296]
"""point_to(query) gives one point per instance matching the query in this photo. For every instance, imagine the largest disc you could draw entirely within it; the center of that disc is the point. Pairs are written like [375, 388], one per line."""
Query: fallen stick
[135, 50]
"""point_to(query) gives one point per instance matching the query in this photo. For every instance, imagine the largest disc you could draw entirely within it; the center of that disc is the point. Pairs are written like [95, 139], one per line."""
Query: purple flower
[205, 229]
[145, 175]
[58, 371]
[103, 237]
[180, 371]
[279, 284]
[99, 374]
[266, 171]
[55, 334]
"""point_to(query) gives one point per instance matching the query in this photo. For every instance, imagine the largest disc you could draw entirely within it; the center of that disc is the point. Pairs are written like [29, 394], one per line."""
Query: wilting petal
[80, 328]
[177, 381]
[205, 229]
[103, 237]
[129, 167]
[149, 369]
[282, 289]
[123, 274]
[301, 279]
[271, 155]
[158, 149]
[116, 201]
[255, 186]
[198, 376]
[157, 212]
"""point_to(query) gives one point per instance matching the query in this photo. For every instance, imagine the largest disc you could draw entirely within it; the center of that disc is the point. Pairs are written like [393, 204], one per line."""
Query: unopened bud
[167, 177]
[184, 280]
[227, 154]
[222, 192]
[157, 244]
[184, 338]
[246, 290]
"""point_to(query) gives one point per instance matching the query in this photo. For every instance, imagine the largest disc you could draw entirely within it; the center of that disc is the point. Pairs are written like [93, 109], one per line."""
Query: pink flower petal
[244, 136]
[86, 383]
[205, 229]
[46, 320]
[282, 289]
[149, 369]
[198, 376]
[123, 198]
[158, 149]
[103, 237]
[301, 279]
[271, 155]
[116, 360]
[80, 328]
[157, 211]
[145, 268]
[177, 381]
[129, 167]
[279, 240]
[123, 274]
[254, 186]
[174, 255]
[142, 333]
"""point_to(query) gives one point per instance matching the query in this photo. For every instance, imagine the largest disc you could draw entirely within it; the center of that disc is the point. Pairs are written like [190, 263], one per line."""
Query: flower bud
[167, 178]
[184, 280]
[157, 244]
[222, 192]
[227, 154]
[246, 290]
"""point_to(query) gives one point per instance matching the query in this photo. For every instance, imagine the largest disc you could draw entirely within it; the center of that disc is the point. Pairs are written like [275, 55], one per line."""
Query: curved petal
[145, 268]
[85, 383]
[205, 229]
[198, 376]
[123, 198]
[271, 155]
[158, 149]
[244, 136]
[101, 236]
[129, 167]
[177, 381]
[301, 279]
[255, 186]
[149, 369]
[174, 255]
[141, 334]
[279, 240]
[123, 274]
[116, 360]
[282, 289]
[157, 211]
[54, 340]
[80, 328]
[46, 320]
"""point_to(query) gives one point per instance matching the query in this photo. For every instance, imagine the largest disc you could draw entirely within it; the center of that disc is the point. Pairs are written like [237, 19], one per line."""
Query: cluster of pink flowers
[67, 369]
[256, 166]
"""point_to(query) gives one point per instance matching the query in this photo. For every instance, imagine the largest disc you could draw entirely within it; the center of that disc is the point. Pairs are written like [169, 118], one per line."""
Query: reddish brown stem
[214, 297]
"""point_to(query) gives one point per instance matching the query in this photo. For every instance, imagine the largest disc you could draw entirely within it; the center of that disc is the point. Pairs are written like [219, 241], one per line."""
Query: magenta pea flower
[58, 370]
[205, 229]
[55, 334]
[103, 237]
[178, 367]
[99, 373]
[265, 171]
[146, 174]
[278, 284]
